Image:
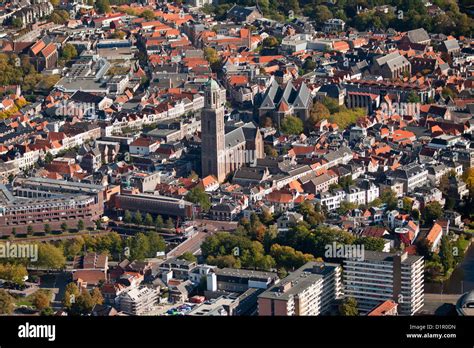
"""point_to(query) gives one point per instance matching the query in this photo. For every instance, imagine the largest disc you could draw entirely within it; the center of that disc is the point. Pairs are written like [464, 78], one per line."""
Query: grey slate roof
[418, 35]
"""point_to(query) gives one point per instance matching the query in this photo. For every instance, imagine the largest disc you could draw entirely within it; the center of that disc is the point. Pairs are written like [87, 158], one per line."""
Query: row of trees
[138, 247]
[138, 219]
[65, 227]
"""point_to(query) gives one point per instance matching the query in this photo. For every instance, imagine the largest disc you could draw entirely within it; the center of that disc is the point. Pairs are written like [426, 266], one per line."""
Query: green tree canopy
[198, 196]
[348, 307]
[6, 302]
[50, 257]
[292, 125]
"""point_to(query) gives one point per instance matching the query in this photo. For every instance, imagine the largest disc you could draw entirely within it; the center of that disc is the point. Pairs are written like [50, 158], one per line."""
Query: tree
[148, 15]
[389, 197]
[345, 207]
[415, 214]
[46, 312]
[270, 42]
[156, 243]
[224, 261]
[468, 177]
[292, 125]
[371, 243]
[50, 257]
[450, 203]
[59, 16]
[64, 227]
[159, 222]
[137, 218]
[71, 292]
[448, 92]
[322, 14]
[413, 97]
[289, 258]
[188, 257]
[193, 176]
[270, 151]
[148, 220]
[318, 112]
[211, 55]
[48, 158]
[309, 65]
[80, 225]
[446, 253]
[83, 304]
[140, 247]
[229, 250]
[346, 181]
[433, 211]
[17, 22]
[127, 218]
[47, 228]
[170, 223]
[72, 247]
[15, 273]
[348, 307]
[29, 230]
[119, 35]
[198, 196]
[69, 52]
[41, 300]
[423, 248]
[103, 6]
[6, 302]
[97, 297]
[407, 204]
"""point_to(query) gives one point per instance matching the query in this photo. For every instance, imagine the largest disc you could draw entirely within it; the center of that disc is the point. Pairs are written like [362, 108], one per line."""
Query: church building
[223, 153]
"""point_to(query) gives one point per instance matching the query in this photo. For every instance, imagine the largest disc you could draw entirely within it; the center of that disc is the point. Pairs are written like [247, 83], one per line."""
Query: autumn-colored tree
[41, 299]
[318, 112]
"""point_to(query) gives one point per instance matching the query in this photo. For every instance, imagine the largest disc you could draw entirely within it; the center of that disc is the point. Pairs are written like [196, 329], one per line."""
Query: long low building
[37, 202]
[155, 204]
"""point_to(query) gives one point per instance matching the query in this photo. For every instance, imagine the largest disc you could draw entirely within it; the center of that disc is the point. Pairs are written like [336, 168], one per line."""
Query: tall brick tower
[212, 132]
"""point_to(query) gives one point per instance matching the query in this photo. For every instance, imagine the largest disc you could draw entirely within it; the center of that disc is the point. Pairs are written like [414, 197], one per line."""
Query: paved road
[192, 245]
[439, 304]
[56, 282]
[60, 236]
[214, 226]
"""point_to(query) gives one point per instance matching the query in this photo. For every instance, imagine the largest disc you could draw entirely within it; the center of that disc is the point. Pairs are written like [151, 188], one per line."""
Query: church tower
[212, 132]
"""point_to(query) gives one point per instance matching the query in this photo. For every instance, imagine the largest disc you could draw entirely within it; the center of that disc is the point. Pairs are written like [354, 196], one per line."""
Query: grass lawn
[464, 244]
[24, 301]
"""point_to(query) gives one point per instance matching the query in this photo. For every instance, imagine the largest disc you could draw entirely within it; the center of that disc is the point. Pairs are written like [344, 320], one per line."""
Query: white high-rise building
[310, 290]
[383, 276]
